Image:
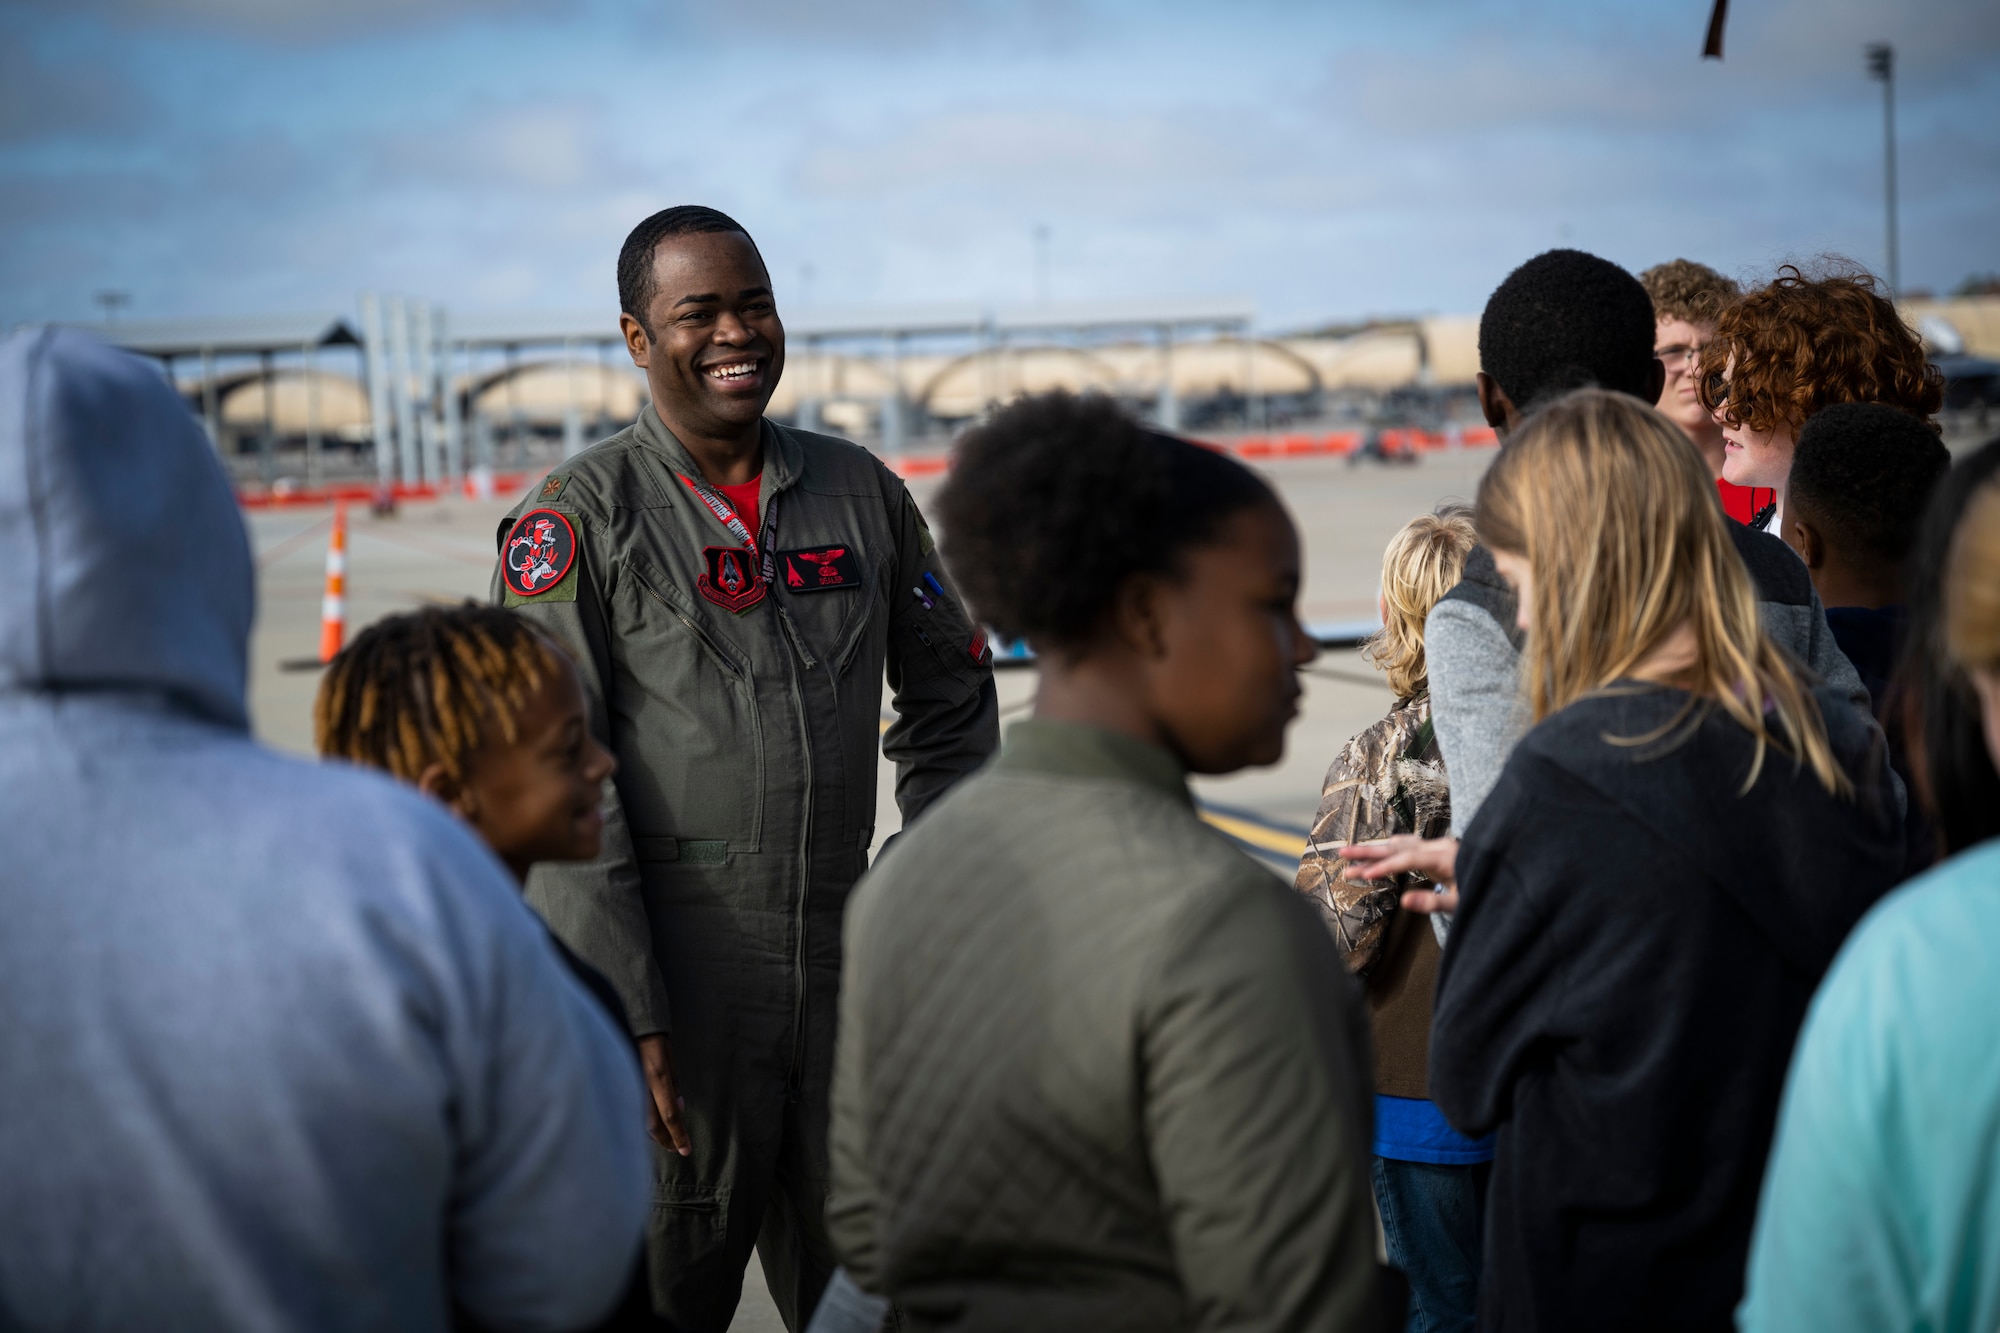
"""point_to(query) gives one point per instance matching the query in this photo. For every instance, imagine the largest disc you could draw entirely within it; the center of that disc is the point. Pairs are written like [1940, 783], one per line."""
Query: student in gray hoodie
[283, 1046]
[1566, 320]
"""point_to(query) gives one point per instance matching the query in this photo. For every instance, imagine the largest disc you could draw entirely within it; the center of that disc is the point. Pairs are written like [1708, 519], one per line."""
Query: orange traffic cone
[333, 607]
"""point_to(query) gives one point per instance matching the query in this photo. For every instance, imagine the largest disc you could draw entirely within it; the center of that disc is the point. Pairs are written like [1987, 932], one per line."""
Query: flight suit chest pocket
[690, 736]
[829, 592]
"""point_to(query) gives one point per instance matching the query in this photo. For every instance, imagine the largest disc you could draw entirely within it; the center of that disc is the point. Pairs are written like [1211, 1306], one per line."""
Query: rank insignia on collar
[540, 548]
[819, 568]
[552, 487]
[731, 580]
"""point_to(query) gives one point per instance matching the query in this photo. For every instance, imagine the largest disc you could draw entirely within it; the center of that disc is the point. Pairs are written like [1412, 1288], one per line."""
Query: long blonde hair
[1616, 516]
[1972, 584]
[1422, 563]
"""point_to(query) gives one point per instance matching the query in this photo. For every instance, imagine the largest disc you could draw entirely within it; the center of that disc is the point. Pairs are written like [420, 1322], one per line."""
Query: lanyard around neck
[729, 518]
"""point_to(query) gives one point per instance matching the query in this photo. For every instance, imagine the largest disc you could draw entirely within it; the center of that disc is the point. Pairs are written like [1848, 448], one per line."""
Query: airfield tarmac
[442, 551]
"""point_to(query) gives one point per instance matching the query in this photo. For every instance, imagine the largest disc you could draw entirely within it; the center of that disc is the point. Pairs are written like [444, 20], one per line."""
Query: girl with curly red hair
[1799, 344]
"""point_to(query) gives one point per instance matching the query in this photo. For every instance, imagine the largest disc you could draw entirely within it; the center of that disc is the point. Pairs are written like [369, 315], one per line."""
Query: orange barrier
[269, 498]
[1333, 444]
[923, 465]
[333, 607]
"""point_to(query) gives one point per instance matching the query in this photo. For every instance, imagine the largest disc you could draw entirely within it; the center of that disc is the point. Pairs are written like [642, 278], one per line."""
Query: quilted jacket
[1096, 1069]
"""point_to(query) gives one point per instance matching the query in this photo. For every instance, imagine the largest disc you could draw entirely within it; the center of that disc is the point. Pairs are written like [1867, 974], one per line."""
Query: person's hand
[664, 1103]
[1434, 858]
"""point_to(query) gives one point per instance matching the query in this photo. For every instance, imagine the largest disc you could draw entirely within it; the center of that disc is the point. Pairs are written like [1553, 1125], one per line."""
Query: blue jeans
[1431, 1219]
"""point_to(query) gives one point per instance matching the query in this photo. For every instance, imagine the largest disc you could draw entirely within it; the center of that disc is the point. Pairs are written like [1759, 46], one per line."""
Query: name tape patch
[819, 568]
[540, 548]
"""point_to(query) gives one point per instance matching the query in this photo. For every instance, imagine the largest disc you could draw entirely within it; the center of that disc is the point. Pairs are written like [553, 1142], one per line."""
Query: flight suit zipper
[795, 1078]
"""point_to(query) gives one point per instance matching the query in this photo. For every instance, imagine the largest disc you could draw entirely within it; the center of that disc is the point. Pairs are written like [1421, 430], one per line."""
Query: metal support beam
[454, 425]
[313, 465]
[267, 442]
[375, 363]
[1168, 410]
[208, 406]
[409, 449]
[431, 427]
[572, 415]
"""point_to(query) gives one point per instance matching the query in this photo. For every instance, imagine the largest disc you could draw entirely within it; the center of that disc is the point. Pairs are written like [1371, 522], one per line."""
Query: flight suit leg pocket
[681, 851]
[689, 1259]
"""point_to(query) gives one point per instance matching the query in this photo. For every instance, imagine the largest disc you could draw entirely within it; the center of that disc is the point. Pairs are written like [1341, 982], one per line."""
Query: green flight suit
[744, 804]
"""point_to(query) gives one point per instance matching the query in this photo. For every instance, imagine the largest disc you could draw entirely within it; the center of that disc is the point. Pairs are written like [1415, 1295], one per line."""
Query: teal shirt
[1881, 1207]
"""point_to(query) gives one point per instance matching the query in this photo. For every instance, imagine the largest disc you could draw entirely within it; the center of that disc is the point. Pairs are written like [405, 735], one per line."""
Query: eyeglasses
[1680, 355]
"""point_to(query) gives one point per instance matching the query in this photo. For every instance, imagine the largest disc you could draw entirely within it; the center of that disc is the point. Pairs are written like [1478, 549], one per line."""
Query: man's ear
[1804, 538]
[637, 344]
[438, 784]
[1494, 404]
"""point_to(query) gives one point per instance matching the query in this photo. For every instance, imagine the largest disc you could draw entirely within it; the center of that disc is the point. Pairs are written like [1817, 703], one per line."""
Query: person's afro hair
[1058, 499]
[1866, 472]
[636, 287]
[1567, 320]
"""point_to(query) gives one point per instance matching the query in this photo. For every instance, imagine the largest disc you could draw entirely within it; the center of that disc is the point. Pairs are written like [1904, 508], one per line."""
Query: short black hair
[1058, 499]
[1866, 471]
[1567, 320]
[636, 288]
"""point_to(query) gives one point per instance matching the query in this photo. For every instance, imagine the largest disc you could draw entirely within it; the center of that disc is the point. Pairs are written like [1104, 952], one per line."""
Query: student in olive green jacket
[1097, 1069]
[733, 592]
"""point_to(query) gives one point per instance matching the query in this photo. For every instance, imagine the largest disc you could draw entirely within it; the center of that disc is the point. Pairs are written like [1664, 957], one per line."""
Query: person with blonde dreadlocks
[475, 707]
[479, 710]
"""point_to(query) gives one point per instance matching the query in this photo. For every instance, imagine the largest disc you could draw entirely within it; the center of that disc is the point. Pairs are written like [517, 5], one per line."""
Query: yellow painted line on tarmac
[1257, 835]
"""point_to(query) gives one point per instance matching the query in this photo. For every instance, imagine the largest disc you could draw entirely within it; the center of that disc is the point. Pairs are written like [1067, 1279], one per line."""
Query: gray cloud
[292, 22]
[43, 99]
[524, 147]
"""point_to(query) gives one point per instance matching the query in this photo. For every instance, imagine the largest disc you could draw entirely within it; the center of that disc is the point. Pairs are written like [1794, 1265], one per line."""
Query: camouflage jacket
[1389, 779]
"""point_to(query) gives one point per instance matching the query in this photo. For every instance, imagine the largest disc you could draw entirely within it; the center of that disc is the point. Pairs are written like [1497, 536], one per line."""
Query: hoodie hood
[1802, 863]
[129, 567]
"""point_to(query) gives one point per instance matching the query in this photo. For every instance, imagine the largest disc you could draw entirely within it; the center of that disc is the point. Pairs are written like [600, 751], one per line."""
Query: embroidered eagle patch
[819, 568]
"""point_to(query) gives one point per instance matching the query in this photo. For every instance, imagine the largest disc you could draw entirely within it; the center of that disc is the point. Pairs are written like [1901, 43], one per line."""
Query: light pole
[1882, 68]
[112, 301]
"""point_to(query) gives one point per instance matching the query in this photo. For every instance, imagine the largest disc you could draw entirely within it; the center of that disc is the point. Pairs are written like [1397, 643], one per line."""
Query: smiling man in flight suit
[733, 591]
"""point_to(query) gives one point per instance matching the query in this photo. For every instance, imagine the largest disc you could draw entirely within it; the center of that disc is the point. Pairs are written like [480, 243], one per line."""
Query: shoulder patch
[538, 554]
[552, 487]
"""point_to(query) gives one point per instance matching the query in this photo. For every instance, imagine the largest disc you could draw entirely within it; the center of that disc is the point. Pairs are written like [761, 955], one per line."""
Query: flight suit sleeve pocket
[942, 649]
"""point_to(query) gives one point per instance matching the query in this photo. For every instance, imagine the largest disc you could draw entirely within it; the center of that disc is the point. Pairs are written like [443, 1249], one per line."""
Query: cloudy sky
[1327, 160]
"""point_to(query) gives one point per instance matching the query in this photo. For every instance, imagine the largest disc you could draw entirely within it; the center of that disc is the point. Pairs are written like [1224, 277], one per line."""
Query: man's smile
[735, 372]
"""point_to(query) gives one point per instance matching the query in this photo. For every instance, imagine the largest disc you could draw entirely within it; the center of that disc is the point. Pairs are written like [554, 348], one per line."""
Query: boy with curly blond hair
[1429, 1180]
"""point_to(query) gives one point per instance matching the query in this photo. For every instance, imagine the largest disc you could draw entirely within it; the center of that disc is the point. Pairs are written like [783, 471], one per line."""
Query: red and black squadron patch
[731, 580]
[539, 550]
[818, 568]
